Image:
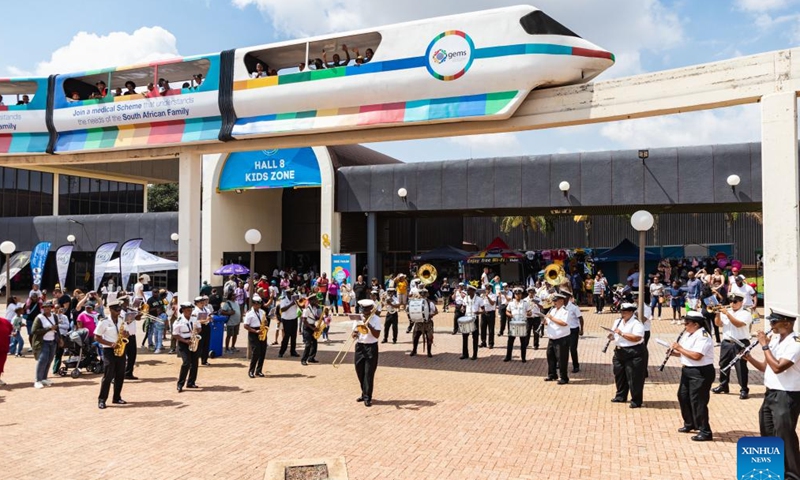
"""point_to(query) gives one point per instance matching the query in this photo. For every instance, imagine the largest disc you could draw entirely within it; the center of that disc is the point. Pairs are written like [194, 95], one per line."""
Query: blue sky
[646, 35]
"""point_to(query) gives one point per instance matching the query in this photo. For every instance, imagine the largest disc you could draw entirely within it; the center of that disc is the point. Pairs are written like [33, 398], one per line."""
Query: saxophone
[122, 342]
[194, 341]
[263, 329]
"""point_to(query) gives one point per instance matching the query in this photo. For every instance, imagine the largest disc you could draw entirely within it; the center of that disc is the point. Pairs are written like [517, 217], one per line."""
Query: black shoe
[408, 330]
[482, 345]
[524, 361]
[192, 386]
[305, 363]
[536, 347]
[205, 364]
[685, 429]
[180, 389]
[295, 354]
[131, 377]
[618, 400]
[384, 341]
[635, 405]
[720, 389]
[576, 370]
[119, 401]
[744, 395]
[451, 334]
[500, 334]
[360, 399]
[313, 360]
[507, 359]
[394, 341]
[251, 374]
[430, 354]
[549, 379]
[280, 355]
[368, 403]
[260, 374]
[413, 353]
[101, 405]
[561, 381]
[703, 437]
[463, 357]
[475, 357]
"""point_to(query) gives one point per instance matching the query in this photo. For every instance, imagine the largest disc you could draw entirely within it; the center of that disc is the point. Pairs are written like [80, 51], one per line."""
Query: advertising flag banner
[127, 256]
[63, 255]
[101, 256]
[38, 259]
[18, 261]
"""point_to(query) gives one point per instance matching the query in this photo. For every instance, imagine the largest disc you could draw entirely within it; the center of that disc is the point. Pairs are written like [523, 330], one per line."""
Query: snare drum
[466, 325]
[517, 329]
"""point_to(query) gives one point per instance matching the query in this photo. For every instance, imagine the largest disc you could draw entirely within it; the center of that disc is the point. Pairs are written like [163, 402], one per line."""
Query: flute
[669, 351]
[742, 353]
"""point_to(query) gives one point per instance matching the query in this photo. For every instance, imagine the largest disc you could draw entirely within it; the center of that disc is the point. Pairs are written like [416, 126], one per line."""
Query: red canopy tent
[496, 252]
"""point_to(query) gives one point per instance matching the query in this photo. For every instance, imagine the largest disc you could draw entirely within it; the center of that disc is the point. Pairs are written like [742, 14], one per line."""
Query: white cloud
[653, 26]
[88, 51]
[762, 5]
[730, 125]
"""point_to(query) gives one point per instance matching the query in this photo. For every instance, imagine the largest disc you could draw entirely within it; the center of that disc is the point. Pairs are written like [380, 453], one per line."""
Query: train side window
[133, 81]
[17, 92]
[87, 87]
[172, 76]
[539, 23]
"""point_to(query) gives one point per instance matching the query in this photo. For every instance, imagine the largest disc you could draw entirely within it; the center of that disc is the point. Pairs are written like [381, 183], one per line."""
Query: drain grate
[307, 472]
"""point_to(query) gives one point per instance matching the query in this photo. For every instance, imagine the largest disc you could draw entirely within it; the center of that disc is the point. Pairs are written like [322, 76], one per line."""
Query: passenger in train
[198, 80]
[366, 58]
[118, 92]
[318, 65]
[301, 66]
[186, 85]
[272, 72]
[25, 100]
[163, 86]
[260, 71]
[1, 102]
[102, 90]
[337, 60]
[150, 89]
[130, 88]
[74, 97]
[368, 55]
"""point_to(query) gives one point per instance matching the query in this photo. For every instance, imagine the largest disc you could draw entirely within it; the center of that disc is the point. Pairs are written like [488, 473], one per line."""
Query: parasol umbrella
[233, 269]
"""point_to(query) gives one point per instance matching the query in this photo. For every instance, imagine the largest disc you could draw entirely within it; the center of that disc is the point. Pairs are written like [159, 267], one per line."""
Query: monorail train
[476, 66]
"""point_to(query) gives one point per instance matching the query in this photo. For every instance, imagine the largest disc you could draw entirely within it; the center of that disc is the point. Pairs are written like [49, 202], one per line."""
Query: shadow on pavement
[157, 403]
[406, 404]
[733, 436]
[218, 388]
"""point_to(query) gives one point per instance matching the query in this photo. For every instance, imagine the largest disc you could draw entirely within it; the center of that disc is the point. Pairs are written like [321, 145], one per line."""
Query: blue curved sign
[291, 167]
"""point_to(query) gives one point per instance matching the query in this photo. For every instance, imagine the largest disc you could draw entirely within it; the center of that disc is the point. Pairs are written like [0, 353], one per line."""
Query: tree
[162, 197]
[526, 222]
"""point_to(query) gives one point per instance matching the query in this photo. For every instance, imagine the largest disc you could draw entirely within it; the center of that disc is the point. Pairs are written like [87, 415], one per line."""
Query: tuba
[427, 274]
[554, 275]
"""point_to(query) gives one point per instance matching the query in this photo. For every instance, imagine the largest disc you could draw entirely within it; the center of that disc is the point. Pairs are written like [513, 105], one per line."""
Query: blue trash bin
[217, 335]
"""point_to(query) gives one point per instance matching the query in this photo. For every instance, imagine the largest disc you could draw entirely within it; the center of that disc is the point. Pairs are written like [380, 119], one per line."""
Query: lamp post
[642, 221]
[733, 182]
[71, 238]
[564, 187]
[174, 237]
[8, 248]
[252, 237]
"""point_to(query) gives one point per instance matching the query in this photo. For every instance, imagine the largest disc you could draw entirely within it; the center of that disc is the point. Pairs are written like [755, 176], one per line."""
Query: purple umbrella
[233, 269]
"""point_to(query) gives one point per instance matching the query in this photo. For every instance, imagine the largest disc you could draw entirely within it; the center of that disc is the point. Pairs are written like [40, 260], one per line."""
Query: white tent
[144, 261]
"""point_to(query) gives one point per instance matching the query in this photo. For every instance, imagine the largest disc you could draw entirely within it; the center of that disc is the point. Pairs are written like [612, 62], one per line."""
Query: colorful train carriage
[162, 103]
[23, 115]
[476, 66]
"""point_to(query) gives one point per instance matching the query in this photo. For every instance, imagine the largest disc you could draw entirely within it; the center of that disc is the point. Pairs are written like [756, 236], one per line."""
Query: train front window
[539, 23]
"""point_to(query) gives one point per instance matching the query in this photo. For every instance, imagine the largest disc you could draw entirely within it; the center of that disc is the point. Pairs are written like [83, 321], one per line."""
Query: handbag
[660, 300]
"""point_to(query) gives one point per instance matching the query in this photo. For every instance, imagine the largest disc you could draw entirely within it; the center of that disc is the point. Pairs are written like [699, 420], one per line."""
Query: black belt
[632, 346]
[740, 339]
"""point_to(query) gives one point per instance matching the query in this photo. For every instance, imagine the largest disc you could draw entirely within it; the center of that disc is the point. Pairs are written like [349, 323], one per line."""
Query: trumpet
[716, 308]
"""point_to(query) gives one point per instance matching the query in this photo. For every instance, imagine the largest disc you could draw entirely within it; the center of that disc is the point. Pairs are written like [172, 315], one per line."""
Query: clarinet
[741, 355]
[669, 352]
[608, 343]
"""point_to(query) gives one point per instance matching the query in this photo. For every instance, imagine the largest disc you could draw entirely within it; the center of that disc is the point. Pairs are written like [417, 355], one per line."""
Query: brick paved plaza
[439, 418]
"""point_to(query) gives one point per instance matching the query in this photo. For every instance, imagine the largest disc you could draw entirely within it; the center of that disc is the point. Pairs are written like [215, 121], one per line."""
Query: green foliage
[162, 197]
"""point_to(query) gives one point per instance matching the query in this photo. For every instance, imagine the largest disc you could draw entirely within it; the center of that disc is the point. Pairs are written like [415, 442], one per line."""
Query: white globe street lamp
[252, 237]
[642, 221]
[71, 238]
[8, 247]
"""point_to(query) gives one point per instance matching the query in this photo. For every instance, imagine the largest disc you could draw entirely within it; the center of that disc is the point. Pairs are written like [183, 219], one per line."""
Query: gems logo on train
[450, 55]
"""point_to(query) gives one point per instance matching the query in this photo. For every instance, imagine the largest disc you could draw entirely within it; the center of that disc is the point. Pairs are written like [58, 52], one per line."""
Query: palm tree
[526, 222]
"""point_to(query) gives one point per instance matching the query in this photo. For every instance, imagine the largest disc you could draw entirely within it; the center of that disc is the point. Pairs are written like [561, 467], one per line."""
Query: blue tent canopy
[626, 251]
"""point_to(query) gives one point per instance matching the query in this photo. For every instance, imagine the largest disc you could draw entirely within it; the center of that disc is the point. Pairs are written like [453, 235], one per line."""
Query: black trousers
[289, 336]
[57, 358]
[130, 355]
[205, 342]
[778, 418]
[558, 354]
[310, 345]
[533, 329]
[629, 368]
[114, 371]
[366, 364]
[465, 344]
[574, 335]
[391, 321]
[727, 352]
[523, 346]
[189, 361]
[258, 350]
[599, 302]
[457, 313]
[503, 319]
[693, 395]
[487, 327]
[646, 352]
[428, 339]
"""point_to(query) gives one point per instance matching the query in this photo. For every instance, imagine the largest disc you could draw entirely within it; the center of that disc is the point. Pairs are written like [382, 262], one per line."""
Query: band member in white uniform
[288, 313]
[108, 332]
[781, 367]
[258, 348]
[310, 316]
[392, 304]
[473, 305]
[735, 324]
[130, 327]
[503, 297]
[696, 349]
[425, 327]
[459, 309]
[557, 326]
[629, 358]
[366, 360]
[182, 330]
[203, 320]
[518, 309]
[488, 318]
[575, 321]
[535, 320]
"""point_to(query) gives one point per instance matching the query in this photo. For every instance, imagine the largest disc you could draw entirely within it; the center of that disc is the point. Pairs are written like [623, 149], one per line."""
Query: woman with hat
[182, 331]
[781, 367]
[44, 336]
[696, 349]
[629, 356]
[366, 358]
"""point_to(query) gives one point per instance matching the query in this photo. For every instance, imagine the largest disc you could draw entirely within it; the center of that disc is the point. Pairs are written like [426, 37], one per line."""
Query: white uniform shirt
[375, 322]
[632, 327]
[310, 315]
[253, 318]
[746, 290]
[108, 331]
[574, 318]
[291, 312]
[487, 304]
[390, 302]
[648, 316]
[48, 323]
[789, 379]
[533, 306]
[699, 342]
[554, 330]
[473, 305]
[739, 333]
[138, 290]
[503, 298]
[130, 327]
[518, 310]
[458, 298]
[183, 327]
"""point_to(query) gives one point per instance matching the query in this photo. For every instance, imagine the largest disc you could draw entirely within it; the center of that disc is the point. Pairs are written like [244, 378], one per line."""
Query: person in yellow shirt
[401, 283]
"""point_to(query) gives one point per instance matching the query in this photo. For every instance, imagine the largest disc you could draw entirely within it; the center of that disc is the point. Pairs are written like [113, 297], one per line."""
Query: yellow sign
[326, 241]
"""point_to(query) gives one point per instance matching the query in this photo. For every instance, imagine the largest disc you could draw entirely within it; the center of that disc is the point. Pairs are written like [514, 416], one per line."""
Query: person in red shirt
[5, 339]
[322, 284]
[263, 283]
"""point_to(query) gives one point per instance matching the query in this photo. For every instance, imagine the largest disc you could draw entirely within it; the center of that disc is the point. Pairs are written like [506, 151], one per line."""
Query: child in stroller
[79, 352]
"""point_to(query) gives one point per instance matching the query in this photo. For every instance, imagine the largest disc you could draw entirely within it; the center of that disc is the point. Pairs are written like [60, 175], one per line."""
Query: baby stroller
[622, 293]
[79, 353]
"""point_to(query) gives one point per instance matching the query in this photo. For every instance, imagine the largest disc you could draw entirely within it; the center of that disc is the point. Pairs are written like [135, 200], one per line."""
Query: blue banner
[291, 167]
[38, 259]
[760, 457]
[342, 266]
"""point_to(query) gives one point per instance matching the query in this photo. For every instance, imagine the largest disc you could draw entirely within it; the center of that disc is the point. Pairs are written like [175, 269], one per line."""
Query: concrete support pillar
[372, 246]
[329, 220]
[780, 193]
[189, 216]
[55, 194]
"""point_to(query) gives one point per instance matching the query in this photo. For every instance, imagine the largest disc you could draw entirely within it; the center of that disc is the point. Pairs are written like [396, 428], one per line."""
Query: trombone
[362, 329]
